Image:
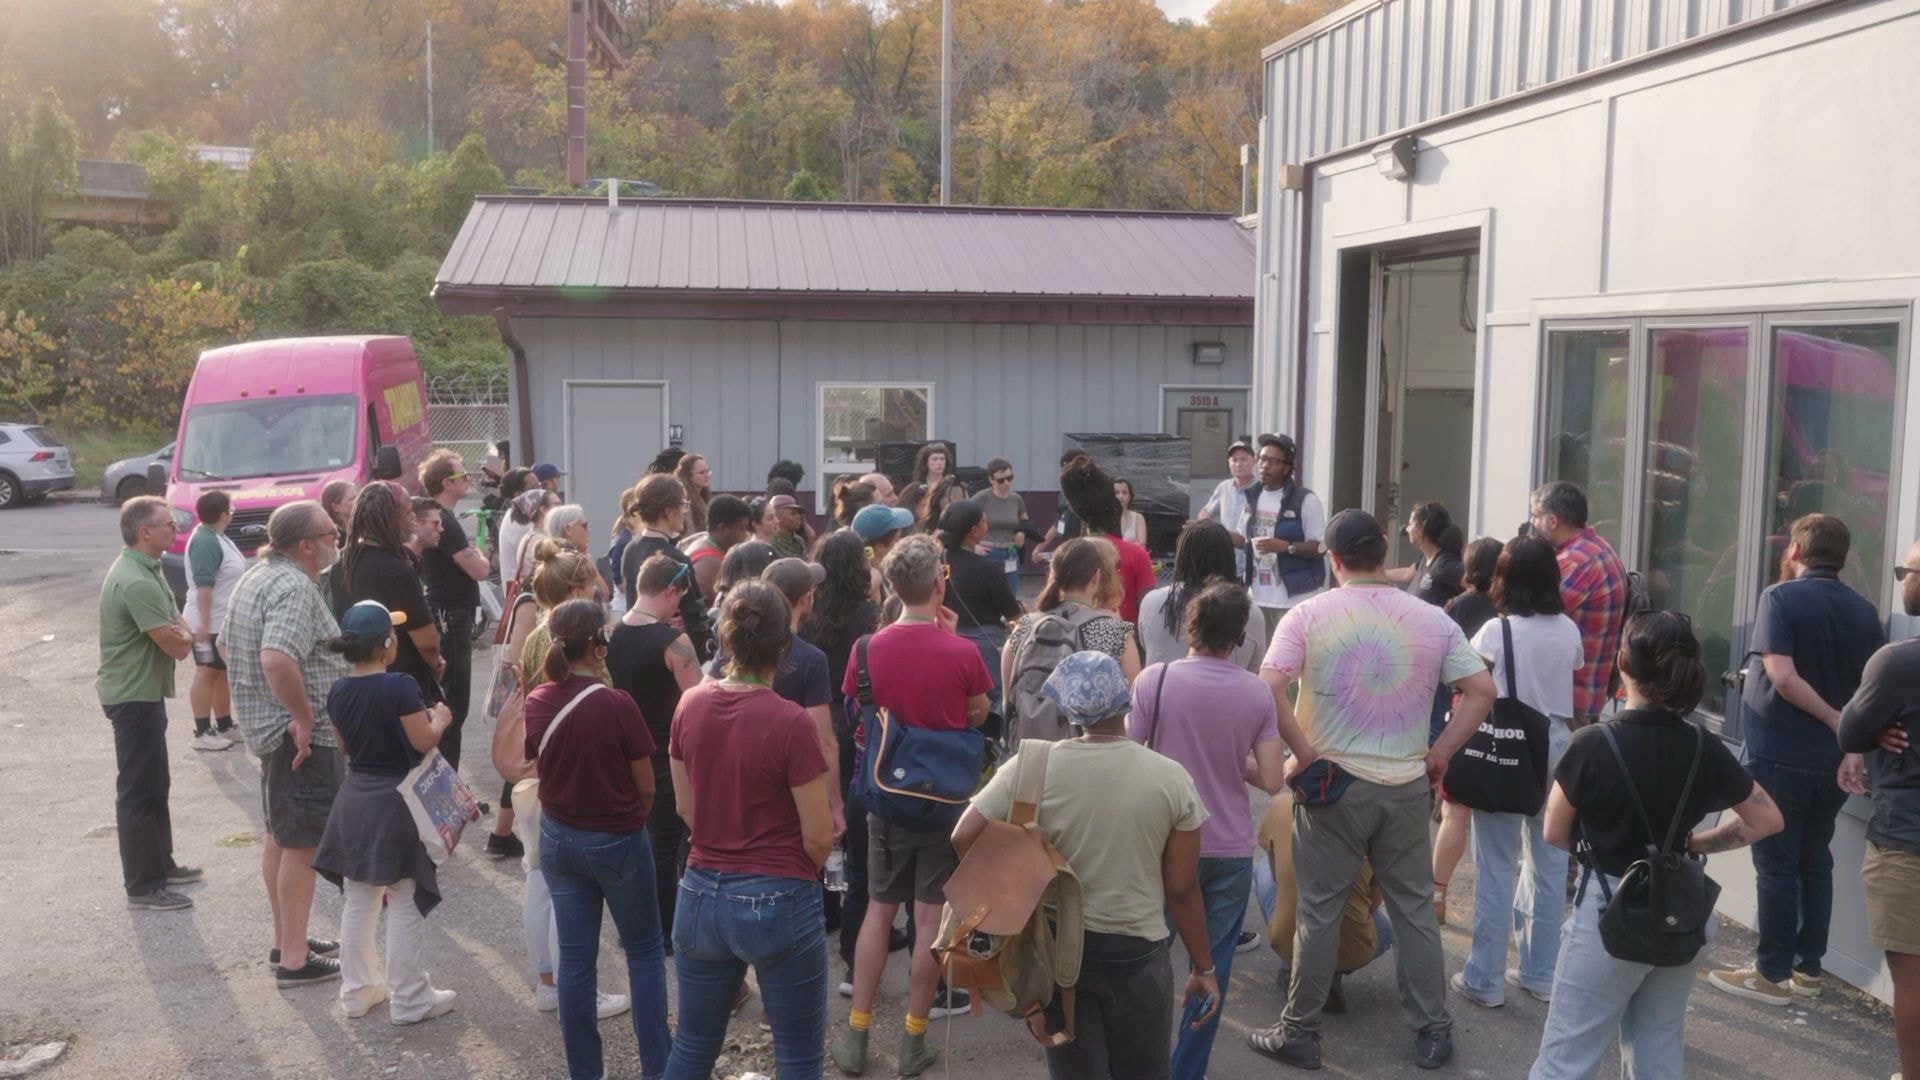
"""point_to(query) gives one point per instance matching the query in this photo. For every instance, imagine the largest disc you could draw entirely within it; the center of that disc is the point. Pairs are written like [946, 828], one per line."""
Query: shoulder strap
[555, 726]
[1626, 775]
[1686, 791]
[1153, 722]
[862, 682]
[1029, 780]
[1506, 642]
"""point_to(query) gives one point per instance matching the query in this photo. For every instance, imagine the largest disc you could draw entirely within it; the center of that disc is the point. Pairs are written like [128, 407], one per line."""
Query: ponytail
[577, 627]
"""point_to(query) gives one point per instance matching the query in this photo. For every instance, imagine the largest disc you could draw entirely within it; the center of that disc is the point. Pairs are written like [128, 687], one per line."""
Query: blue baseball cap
[875, 521]
[369, 620]
[1089, 687]
[546, 472]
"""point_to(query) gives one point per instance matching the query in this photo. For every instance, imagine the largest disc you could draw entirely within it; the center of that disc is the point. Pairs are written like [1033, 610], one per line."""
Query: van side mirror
[386, 463]
[156, 478]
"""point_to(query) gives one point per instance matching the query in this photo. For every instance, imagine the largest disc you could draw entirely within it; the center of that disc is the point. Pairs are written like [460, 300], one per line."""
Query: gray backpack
[1056, 635]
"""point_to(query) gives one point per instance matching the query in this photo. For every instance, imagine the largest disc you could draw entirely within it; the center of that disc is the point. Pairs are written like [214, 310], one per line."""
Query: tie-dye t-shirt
[1368, 658]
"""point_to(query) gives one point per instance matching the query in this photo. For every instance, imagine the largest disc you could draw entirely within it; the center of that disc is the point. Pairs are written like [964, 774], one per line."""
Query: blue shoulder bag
[912, 777]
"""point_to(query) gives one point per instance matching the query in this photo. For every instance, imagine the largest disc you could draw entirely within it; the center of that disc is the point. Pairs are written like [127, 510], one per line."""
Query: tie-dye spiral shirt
[1368, 658]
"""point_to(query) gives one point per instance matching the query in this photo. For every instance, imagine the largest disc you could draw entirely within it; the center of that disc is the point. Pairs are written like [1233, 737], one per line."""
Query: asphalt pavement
[179, 994]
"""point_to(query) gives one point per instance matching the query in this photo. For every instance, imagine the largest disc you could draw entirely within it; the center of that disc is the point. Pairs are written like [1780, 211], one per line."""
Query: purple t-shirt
[1212, 714]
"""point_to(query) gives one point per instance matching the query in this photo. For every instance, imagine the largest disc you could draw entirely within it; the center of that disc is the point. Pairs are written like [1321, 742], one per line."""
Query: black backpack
[1660, 912]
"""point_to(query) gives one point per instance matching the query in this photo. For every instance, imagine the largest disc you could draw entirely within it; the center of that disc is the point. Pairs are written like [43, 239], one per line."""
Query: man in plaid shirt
[1593, 588]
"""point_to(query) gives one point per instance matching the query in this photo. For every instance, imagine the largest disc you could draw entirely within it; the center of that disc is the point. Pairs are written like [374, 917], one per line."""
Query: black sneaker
[506, 846]
[1300, 1050]
[898, 939]
[1248, 941]
[159, 900]
[318, 969]
[184, 875]
[950, 1002]
[1433, 1047]
[315, 947]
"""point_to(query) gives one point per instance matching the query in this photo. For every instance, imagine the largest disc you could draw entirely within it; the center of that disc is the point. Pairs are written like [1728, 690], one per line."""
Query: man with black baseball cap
[1224, 504]
[1279, 525]
[1367, 656]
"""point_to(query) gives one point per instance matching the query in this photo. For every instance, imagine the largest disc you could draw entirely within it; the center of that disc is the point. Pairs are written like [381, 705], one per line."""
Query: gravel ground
[163, 995]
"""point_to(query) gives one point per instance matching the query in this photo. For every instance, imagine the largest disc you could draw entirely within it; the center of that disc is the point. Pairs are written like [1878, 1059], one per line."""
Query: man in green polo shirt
[141, 638]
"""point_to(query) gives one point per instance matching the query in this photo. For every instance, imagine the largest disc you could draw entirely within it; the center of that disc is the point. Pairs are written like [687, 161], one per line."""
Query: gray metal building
[809, 331]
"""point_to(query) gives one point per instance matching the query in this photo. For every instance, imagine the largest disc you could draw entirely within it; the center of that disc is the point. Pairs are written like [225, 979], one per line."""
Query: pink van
[272, 422]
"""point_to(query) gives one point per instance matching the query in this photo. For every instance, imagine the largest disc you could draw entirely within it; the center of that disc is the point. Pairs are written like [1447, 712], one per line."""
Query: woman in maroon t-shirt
[751, 781]
[596, 785]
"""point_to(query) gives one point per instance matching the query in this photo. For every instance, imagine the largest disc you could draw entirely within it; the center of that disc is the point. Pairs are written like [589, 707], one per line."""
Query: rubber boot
[916, 1056]
[849, 1051]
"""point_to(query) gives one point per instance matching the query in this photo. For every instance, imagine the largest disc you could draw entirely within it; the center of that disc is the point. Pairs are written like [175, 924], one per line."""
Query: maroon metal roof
[519, 248]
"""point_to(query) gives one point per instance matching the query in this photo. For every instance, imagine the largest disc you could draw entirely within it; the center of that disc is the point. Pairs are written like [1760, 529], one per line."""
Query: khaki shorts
[1892, 881]
[905, 866]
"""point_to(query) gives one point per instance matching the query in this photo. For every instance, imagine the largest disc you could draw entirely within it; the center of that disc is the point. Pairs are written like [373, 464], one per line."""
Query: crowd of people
[689, 724]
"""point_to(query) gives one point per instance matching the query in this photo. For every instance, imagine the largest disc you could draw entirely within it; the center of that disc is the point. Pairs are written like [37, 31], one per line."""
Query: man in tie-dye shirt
[1367, 656]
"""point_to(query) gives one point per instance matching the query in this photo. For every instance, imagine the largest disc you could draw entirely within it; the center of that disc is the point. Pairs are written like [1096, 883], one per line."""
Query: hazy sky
[1185, 9]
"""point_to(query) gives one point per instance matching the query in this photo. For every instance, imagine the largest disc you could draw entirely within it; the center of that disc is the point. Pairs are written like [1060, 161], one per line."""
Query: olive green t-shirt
[133, 600]
[1114, 845]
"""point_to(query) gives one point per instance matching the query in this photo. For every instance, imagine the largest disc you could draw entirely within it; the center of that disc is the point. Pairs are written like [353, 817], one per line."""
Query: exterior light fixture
[1209, 352]
[1395, 159]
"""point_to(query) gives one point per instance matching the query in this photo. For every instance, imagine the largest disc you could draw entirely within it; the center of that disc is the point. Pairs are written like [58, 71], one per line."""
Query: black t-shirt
[379, 574]
[449, 588]
[637, 663]
[1659, 747]
[693, 606]
[366, 712]
[1471, 610]
[1437, 580]
[977, 591]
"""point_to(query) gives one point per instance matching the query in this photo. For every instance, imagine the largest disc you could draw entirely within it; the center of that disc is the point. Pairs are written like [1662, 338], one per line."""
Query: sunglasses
[679, 575]
[1900, 572]
[1007, 479]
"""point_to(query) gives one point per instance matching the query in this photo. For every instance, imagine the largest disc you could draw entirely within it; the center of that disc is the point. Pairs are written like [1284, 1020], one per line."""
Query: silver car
[32, 464]
[127, 478]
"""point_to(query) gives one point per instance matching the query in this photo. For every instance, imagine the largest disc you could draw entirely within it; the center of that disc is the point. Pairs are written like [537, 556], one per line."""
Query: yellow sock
[916, 1025]
[859, 1021]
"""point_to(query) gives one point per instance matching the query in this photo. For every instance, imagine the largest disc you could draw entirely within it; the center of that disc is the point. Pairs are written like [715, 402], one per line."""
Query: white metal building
[1664, 248]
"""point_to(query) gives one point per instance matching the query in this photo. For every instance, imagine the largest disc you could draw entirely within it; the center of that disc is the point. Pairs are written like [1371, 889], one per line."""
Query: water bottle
[837, 870]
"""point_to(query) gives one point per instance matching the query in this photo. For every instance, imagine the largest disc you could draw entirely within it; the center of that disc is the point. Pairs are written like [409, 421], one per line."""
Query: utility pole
[576, 93]
[946, 102]
[429, 85]
[1246, 153]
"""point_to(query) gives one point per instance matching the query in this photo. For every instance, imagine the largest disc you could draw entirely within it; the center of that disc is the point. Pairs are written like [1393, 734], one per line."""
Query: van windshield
[268, 437]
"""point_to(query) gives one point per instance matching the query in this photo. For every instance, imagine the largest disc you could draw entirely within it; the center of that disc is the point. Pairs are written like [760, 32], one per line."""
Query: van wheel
[131, 488]
[9, 491]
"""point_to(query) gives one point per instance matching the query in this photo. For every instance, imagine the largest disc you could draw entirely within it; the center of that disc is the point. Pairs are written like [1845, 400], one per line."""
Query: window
[1699, 441]
[855, 417]
[1830, 441]
[1587, 420]
[1690, 500]
[235, 440]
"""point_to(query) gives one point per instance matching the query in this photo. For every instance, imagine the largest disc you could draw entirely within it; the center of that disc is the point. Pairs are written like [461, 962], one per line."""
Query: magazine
[440, 803]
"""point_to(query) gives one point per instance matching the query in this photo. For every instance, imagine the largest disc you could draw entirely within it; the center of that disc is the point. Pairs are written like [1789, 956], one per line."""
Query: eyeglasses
[168, 524]
[1900, 572]
[330, 534]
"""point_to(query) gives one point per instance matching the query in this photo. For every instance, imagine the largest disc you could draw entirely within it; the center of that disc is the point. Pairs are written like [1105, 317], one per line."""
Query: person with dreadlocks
[375, 567]
[1204, 556]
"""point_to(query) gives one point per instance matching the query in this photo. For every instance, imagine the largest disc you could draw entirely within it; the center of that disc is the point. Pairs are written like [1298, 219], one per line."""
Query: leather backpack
[998, 941]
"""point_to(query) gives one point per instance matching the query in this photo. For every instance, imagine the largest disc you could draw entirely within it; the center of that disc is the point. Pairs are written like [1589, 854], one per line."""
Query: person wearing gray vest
[1281, 525]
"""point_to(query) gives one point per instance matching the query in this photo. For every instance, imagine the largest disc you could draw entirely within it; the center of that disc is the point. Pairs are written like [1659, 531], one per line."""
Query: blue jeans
[1224, 887]
[585, 870]
[726, 922]
[1530, 907]
[1597, 998]
[1793, 868]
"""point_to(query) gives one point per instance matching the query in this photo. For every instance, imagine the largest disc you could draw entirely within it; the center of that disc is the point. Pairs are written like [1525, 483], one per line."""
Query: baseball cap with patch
[369, 620]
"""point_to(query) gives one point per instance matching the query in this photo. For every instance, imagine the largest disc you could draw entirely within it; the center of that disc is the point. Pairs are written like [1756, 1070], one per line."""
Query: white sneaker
[442, 1005]
[210, 742]
[611, 1005]
[547, 999]
[846, 988]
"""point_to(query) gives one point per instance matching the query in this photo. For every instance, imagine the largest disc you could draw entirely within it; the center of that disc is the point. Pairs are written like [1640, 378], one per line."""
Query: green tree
[37, 168]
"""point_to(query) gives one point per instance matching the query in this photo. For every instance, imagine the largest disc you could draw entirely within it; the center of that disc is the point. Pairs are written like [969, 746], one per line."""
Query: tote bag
[1503, 767]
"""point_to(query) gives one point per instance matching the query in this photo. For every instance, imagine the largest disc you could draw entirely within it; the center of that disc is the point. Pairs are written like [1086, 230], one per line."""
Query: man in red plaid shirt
[1593, 587]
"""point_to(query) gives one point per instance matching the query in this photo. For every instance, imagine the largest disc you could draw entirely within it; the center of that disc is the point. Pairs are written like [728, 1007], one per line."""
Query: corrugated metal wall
[1379, 66]
[746, 391]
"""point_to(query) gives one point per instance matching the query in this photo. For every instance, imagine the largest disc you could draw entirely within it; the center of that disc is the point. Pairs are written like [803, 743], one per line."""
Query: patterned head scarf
[1089, 687]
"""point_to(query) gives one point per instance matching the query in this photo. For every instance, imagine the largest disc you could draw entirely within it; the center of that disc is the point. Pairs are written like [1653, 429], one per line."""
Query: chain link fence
[467, 413]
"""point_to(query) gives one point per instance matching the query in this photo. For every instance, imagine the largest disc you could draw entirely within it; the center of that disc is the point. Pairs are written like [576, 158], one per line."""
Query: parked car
[32, 463]
[127, 478]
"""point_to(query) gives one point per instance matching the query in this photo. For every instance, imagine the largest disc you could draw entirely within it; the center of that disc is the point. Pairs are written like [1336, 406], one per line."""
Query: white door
[604, 422]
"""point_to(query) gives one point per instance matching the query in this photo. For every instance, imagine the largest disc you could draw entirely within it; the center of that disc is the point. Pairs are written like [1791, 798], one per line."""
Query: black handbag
[1503, 768]
[1659, 914]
